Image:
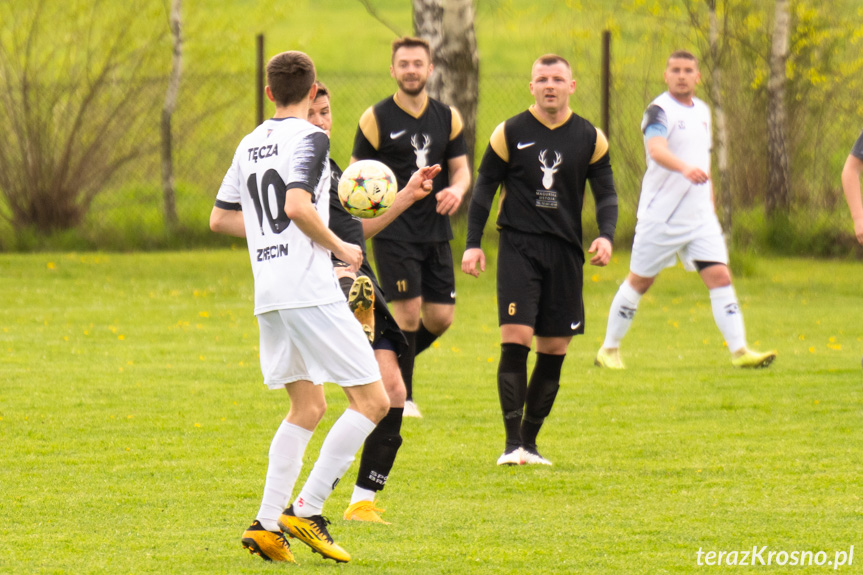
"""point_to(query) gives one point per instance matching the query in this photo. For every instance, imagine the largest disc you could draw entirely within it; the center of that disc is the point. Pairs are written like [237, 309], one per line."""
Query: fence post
[606, 82]
[259, 80]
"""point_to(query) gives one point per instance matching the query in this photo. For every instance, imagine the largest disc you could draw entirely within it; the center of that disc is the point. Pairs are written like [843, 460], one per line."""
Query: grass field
[134, 429]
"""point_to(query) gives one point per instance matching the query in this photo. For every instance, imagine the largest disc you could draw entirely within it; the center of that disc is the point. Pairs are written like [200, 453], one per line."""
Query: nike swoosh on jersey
[574, 326]
[397, 135]
[523, 145]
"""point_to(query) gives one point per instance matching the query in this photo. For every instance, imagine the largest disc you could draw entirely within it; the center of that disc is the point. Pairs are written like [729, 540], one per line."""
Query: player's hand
[695, 174]
[602, 248]
[351, 254]
[473, 262]
[858, 230]
[448, 201]
[343, 272]
[420, 184]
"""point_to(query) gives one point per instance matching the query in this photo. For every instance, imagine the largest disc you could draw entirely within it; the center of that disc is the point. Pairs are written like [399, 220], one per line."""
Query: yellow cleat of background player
[609, 359]
[750, 359]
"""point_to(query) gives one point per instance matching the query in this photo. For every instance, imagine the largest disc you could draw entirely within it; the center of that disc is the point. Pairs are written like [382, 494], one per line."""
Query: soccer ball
[367, 188]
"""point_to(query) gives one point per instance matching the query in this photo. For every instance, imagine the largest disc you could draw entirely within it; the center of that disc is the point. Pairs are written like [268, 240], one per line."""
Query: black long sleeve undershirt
[605, 197]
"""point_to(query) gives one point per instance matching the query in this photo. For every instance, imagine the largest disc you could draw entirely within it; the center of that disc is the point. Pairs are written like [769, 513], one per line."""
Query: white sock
[285, 462]
[620, 314]
[337, 453]
[728, 317]
[361, 494]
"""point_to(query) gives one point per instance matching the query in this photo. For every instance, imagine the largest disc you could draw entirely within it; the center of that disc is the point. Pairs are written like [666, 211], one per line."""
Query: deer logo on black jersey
[548, 171]
[421, 151]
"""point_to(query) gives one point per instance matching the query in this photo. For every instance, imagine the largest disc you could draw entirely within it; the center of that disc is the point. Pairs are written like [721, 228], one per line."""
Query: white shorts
[657, 245]
[319, 344]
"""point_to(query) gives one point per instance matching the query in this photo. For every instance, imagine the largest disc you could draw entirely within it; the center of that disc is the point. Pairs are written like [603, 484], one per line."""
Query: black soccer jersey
[406, 143]
[349, 228]
[857, 150]
[542, 171]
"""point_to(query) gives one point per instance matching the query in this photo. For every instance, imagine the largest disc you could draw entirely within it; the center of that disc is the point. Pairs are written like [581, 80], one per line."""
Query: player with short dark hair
[676, 216]
[542, 159]
[276, 195]
[406, 132]
[851, 173]
[367, 301]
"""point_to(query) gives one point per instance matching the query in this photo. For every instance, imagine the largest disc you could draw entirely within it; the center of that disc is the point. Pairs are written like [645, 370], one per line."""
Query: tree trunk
[169, 197]
[778, 178]
[448, 25]
[721, 185]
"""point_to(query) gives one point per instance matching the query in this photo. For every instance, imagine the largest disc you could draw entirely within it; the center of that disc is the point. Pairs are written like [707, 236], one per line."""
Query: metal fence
[216, 111]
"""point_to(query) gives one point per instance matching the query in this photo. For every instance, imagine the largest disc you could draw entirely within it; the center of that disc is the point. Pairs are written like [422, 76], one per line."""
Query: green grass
[134, 428]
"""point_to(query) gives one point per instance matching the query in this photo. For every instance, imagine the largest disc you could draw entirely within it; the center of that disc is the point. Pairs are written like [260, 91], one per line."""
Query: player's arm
[227, 219]
[655, 132]
[492, 171]
[851, 185]
[227, 215]
[367, 140]
[303, 178]
[601, 180]
[300, 209]
[449, 199]
[418, 187]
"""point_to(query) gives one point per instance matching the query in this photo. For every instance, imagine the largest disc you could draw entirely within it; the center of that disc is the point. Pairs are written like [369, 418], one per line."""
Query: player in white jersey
[851, 173]
[276, 195]
[676, 217]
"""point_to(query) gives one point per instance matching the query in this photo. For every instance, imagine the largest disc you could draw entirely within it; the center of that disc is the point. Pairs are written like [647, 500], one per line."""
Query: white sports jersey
[290, 270]
[668, 196]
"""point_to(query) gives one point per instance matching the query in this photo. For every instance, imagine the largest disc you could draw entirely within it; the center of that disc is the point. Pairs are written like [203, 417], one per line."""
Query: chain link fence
[216, 110]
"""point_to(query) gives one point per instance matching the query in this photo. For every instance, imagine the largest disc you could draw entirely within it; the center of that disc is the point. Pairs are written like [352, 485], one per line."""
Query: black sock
[406, 362]
[541, 392]
[379, 451]
[424, 339]
[512, 389]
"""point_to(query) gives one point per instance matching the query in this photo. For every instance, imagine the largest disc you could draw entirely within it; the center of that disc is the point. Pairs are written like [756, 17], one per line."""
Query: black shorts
[408, 270]
[539, 284]
[388, 335]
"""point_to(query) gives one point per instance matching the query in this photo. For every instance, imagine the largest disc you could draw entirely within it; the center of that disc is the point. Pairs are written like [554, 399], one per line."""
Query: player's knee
[372, 403]
[378, 408]
[307, 414]
[639, 283]
[317, 410]
[395, 388]
[438, 326]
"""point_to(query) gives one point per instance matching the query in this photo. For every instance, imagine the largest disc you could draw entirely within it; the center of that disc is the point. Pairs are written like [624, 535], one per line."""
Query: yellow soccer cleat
[609, 359]
[750, 359]
[269, 545]
[361, 299]
[313, 532]
[364, 511]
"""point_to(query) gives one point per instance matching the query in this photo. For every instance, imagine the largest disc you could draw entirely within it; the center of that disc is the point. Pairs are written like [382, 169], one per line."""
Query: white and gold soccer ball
[367, 188]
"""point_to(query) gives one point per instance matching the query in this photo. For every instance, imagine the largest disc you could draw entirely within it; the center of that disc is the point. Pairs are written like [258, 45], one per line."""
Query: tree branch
[374, 14]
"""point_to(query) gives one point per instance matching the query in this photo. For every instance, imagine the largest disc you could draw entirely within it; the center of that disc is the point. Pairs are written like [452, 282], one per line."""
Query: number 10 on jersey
[273, 190]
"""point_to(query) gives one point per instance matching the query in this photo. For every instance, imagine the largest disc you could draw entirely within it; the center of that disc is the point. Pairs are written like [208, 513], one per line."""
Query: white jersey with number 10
[290, 270]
